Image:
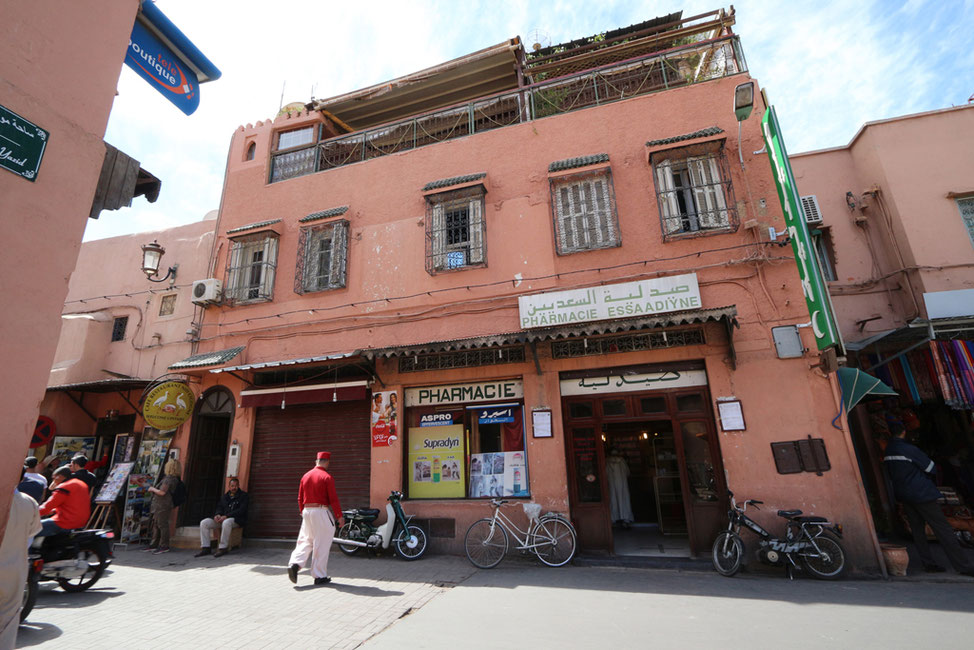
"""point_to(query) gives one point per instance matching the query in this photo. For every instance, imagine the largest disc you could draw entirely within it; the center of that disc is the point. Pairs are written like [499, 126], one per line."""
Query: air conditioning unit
[810, 207]
[207, 292]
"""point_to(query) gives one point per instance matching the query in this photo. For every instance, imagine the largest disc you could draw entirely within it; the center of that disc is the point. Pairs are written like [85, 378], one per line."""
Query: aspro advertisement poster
[503, 474]
[436, 462]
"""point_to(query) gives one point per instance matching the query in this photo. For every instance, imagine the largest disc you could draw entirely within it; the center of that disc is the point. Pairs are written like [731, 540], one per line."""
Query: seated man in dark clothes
[231, 512]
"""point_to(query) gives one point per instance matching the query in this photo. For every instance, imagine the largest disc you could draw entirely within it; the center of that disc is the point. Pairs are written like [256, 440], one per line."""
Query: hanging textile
[965, 367]
[910, 380]
[513, 435]
[938, 363]
[924, 374]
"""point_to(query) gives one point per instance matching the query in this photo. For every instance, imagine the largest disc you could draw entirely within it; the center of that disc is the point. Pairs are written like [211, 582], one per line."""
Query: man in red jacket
[320, 511]
[69, 501]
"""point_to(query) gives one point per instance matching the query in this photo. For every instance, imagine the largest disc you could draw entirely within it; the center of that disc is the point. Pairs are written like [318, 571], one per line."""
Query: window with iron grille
[693, 190]
[584, 212]
[118, 328]
[167, 305]
[462, 359]
[631, 342]
[298, 162]
[455, 230]
[252, 263]
[322, 251]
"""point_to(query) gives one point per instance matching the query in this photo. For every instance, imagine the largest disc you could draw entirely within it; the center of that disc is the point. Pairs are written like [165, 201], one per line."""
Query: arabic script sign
[813, 286]
[487, 391]
[159, 66]
[629, 299]
[633, 383]
[22, 144]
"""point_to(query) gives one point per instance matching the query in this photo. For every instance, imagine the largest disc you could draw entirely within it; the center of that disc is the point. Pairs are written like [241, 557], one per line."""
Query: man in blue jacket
[911, 472]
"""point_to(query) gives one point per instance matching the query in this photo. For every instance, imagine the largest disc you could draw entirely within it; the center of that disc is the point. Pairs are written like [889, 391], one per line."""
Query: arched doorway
[207, 460]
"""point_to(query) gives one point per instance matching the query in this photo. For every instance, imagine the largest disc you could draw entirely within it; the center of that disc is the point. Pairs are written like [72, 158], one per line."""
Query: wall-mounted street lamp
[743, 104]
[151, 257]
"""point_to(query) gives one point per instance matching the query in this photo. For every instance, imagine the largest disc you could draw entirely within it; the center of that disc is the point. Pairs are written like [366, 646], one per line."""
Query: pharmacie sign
[22, 144]
[486, 391]
[625, 300]
[631, 383]
[813, 285]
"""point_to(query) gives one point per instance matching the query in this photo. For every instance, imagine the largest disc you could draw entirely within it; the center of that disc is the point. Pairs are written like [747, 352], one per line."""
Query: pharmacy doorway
[645, 472]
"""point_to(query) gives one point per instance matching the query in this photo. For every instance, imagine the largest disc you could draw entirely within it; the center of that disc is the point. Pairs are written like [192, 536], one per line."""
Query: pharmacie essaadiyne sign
[624, 300]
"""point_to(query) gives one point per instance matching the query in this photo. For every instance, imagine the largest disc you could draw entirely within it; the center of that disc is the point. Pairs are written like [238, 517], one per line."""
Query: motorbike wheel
[830, 564]
[355, 531]
[411, 543]
[728, 553]
[31, 587]
[91, 576]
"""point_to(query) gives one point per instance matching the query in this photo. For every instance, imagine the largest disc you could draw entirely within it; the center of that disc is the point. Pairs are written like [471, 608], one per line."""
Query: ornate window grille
[462, 358]
[694, 191]
[629, 342]
[584, 212]
[455, 230]
[251, 268]
[118, 328]
[322, 254]
[299, 162]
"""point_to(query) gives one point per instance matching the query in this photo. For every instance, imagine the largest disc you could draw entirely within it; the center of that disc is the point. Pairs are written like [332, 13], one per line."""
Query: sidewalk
[242, 600]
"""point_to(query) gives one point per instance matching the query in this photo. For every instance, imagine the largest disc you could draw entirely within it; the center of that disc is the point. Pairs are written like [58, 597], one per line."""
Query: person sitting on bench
[231, 512]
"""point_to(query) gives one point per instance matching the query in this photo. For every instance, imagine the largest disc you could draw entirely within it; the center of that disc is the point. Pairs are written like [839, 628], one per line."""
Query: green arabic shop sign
[22, 144]
[813, 286]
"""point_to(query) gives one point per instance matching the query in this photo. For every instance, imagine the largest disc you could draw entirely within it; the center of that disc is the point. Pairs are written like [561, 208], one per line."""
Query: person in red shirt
[320, 515]
[69, 501]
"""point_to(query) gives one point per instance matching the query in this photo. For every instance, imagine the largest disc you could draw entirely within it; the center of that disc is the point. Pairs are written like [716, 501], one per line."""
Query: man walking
[320, 511]
[231, 511]
[910, 472]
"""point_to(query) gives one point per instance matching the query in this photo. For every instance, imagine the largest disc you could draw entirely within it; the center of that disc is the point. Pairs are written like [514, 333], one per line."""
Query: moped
[361, 532]
[75, 559]
[810, 542]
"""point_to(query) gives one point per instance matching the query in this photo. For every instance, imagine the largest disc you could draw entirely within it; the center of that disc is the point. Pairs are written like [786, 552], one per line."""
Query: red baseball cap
[324, 455]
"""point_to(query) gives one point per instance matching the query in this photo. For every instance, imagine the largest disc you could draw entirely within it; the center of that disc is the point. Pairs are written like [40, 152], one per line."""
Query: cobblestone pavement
[241, 600]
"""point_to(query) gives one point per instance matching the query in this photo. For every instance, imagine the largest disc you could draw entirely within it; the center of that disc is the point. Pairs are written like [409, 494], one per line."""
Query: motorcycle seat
[789, 514]
[362, 513]
[810, 519]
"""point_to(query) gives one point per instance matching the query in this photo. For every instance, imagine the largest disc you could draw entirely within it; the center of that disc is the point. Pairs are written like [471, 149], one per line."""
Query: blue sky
[828, 67]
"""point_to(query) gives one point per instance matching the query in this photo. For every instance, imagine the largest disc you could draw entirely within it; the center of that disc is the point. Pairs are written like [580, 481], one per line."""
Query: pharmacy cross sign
[813, 286]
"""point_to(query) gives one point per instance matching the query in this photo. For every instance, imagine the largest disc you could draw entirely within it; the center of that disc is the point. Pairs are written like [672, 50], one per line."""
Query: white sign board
[626, 300]
[633, 383]
[487, 391]
[949, 304]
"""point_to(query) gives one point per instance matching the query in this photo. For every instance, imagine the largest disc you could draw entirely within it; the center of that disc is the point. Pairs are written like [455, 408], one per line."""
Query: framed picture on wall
[541, 423]
[121, 446]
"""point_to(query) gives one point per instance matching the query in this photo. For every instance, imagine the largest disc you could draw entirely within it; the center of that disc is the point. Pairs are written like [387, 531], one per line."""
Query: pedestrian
[320, 515]
[162, 506]
[231, 512]
[33, 482]
[910, 471]
[78, 470]
[23, 522]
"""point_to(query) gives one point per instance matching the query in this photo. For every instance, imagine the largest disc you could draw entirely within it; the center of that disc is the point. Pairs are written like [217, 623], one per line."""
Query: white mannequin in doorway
[617, 473]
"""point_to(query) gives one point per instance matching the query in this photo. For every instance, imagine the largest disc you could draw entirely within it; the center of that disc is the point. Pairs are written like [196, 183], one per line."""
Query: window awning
[286, 362]
[857, 385]
[564, 331]
[113, 385]
[207, 358]
[316, 393]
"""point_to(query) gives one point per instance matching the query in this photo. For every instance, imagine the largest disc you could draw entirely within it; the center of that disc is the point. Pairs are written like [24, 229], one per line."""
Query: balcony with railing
[676, 67]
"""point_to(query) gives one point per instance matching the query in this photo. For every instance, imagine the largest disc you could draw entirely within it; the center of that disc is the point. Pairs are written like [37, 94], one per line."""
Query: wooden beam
[80, 405]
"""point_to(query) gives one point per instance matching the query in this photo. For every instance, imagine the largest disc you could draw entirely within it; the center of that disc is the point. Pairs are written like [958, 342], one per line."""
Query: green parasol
[857, 385]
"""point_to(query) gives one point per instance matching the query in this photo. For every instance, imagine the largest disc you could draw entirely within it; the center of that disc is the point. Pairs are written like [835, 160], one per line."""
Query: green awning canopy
[857, 385]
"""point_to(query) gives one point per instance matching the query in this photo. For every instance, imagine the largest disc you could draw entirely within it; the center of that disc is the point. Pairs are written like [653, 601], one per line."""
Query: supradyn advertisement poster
[436, 462]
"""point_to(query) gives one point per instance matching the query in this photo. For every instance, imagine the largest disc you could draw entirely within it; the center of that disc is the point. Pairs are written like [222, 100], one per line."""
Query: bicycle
[550, 536]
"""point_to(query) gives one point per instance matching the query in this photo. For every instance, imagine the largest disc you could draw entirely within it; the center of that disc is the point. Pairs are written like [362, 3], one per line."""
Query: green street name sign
[22, 144]
[813, 286]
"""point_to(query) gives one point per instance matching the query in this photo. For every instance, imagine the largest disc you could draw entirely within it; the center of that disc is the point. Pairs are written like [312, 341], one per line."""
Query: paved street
[245, 600]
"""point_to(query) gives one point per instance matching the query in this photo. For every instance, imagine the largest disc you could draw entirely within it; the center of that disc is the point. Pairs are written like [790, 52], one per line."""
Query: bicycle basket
[532, 510]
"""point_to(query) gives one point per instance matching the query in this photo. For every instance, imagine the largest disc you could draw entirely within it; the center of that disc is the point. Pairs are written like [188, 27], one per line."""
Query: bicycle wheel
[728, 553]
[558, 515]
[827, 565]
[553, 539]
[354, 531]
[411, 543]
[485, 543]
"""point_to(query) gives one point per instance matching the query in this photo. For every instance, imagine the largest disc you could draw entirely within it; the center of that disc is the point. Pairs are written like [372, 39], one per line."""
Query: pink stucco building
[503, 274]
[894, 214]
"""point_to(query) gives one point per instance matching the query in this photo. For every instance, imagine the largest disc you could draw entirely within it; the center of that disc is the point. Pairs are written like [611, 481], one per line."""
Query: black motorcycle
[810, 543]
[76, 560]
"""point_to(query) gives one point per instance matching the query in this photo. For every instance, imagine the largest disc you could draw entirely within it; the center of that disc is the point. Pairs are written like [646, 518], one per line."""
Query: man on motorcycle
[70, 504]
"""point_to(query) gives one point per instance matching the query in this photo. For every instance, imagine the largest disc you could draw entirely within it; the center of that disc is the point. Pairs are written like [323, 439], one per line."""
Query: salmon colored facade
[435, 319]
[43, 221]
[897, 225]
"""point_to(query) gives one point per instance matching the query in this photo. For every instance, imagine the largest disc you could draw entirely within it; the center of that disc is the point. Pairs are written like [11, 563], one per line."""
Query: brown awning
[551, 333]
[122, 179]
[112, 385]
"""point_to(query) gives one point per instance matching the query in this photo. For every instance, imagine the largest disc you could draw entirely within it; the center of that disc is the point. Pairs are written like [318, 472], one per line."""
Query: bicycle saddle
[789, 514]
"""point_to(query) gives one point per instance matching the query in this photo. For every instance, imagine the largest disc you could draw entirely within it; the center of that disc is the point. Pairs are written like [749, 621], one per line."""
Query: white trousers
[208, 525]
[317, 531]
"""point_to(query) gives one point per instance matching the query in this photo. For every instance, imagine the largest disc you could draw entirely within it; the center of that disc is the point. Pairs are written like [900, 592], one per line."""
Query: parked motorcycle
[810, 543]
[361, 532]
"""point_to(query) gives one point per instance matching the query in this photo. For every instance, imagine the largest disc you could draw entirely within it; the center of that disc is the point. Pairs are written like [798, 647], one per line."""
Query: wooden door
[207, 460]
[587, 487]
